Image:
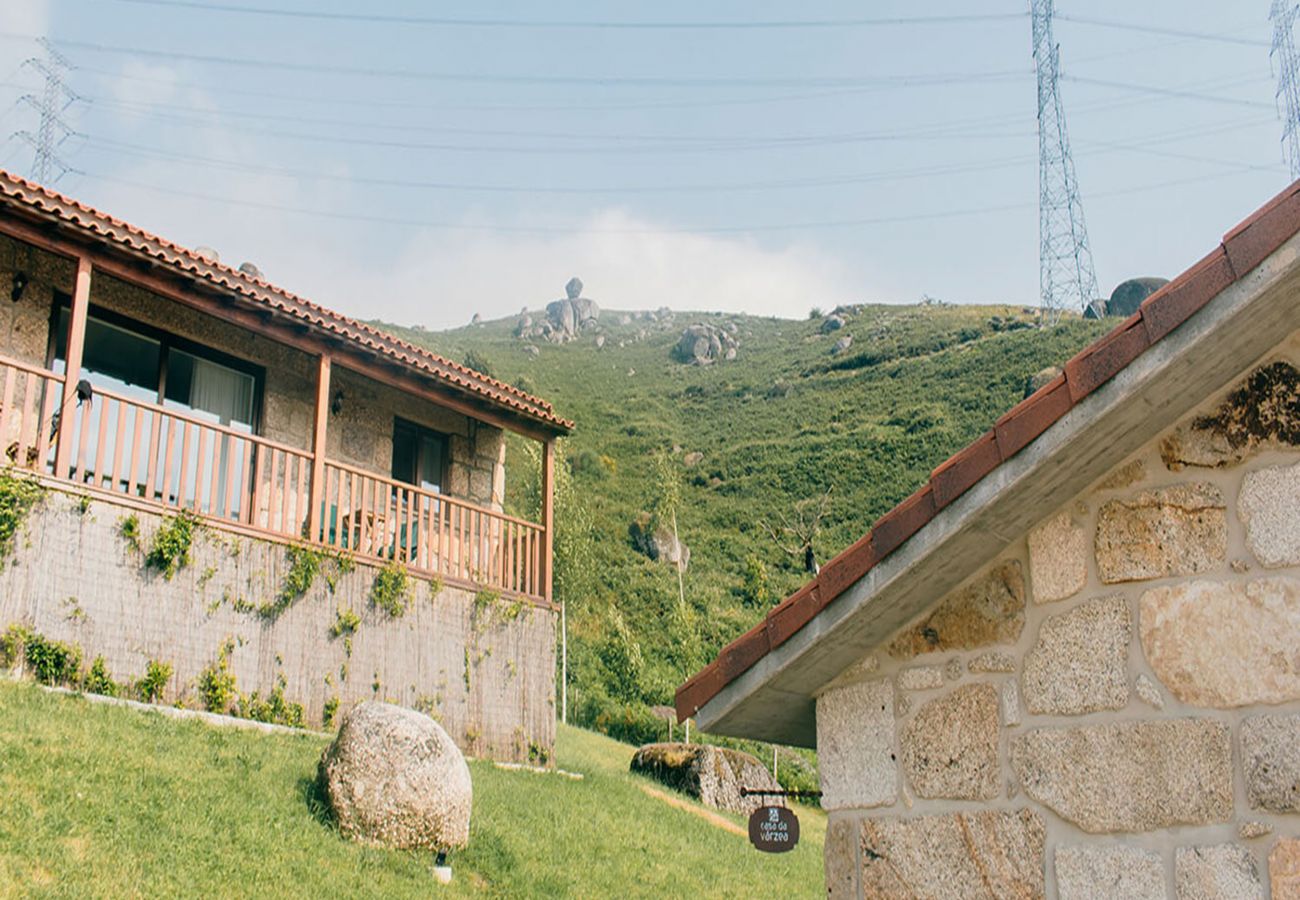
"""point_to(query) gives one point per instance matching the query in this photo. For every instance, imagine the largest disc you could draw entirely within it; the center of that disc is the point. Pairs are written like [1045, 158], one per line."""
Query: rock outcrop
[657, 542]
[394, 778]
[703, 345]
[565, 318]
[712, 775]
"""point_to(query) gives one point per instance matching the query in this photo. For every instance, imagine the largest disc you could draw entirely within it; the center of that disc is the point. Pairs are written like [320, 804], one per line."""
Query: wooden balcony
[173, 460]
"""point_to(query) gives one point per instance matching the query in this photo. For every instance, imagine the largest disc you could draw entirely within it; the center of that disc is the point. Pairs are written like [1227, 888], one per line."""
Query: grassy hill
[785, 421]
[101, 801]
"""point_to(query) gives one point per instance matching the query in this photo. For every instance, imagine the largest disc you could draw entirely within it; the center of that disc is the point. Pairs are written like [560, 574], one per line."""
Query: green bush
[754, 591]
[52, 662]
[17, 497]
[391, 590]
[151, 686]
[216, 684]
[170, 550]
[274, 709]
[98, 681]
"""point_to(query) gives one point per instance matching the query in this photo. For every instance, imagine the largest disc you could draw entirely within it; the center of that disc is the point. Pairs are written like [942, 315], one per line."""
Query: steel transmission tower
[1066, 277]
[1283, 15]
[54, 99]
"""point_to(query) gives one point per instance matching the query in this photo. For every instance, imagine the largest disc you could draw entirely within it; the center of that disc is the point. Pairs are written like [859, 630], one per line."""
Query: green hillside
[784, 422]
[100, 801]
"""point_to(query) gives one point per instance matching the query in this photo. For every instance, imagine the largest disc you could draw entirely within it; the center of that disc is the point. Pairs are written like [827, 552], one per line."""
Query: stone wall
[483, 666]
[361, 434]
[1111, 708]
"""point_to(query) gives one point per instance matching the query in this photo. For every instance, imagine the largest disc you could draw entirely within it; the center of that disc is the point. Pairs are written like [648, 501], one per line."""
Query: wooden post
[548, 550]
[72, 371]
[314, 532]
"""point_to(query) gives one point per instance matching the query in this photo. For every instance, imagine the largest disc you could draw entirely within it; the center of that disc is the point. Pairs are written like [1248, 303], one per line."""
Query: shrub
[170, 550]
[129, 528]
[13, 643]
[52, 662]
[98, 681]
[17, 497]
[754, 590]
[391, 591]
[346, 622]
[330, 711]
[217, 683]
[304, 565]
[274, 709]
[156, 676]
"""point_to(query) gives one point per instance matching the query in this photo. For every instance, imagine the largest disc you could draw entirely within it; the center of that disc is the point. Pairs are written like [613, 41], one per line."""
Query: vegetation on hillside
[783, 423]
[101, 801]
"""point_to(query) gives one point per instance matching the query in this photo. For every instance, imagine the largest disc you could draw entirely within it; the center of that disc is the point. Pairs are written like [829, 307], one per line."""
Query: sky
[740, 156]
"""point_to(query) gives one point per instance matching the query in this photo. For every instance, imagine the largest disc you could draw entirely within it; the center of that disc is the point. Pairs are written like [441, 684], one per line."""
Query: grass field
[102, 801]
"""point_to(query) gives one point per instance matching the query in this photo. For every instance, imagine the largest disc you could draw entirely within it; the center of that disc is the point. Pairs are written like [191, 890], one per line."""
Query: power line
[597, 24]
[895, 80]
[1161, 30]
[172, 191]
[1165, 92]
[155, 152]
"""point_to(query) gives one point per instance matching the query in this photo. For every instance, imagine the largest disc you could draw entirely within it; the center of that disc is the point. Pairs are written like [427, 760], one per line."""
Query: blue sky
[424, 172]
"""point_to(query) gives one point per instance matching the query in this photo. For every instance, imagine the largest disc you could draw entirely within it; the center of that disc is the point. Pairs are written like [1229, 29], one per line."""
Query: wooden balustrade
[179, 461]
[386, 519]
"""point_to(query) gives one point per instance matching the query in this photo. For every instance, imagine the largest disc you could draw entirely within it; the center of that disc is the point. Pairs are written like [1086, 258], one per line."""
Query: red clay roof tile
[793, 613]
[1267, 229]
[964, 468]
[893, 529]
[1032, 416]
[1100, 362]
[1174, 303]
[847, 567]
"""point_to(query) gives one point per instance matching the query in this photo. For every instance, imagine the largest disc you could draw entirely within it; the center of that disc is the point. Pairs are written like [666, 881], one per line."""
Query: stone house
[348, 486]
[1069, 665]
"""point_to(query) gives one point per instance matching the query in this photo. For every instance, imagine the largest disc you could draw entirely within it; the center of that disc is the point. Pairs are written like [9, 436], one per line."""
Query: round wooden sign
[774, 829]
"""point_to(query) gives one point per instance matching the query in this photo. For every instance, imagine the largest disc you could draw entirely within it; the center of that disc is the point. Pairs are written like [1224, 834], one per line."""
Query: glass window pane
[114, 359]
[209, 390]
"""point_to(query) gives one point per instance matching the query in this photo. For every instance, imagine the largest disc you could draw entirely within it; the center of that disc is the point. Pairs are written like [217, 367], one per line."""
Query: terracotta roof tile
[123, 234]
[1267, 229]
[1100, 362]
[1243, 248]
[893, 529]
[964, 468]
[1032, 416]
[1174, 303]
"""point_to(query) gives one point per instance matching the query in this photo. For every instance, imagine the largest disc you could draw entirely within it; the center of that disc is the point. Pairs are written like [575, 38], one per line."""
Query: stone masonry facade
[1111, 707]
[482, 665]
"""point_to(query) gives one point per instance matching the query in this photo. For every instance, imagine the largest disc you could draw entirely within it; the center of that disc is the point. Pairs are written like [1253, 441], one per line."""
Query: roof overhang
[774, 700]
[61, 225]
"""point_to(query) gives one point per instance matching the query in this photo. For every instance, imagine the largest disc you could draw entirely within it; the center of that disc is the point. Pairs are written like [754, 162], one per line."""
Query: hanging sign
[774, 829]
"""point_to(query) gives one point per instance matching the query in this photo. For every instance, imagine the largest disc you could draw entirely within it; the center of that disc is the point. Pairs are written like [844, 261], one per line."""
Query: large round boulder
[394, 778]
[712, 775]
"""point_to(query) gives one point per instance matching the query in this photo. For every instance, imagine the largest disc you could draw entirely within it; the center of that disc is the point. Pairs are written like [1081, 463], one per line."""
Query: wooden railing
[385, 519]
[177, 460]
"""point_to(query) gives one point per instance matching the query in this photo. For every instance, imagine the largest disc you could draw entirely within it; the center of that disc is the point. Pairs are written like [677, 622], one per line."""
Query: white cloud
[441, 279]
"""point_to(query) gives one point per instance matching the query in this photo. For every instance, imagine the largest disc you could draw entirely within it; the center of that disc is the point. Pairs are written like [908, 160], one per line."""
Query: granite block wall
[1111, 708]
[483, 665]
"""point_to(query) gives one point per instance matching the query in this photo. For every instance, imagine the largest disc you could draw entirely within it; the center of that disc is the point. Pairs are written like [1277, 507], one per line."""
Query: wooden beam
[318, 449]
[76, 343]
[211, 299]
[548, 516]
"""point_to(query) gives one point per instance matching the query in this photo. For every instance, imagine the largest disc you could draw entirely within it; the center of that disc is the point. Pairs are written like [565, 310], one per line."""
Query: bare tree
[798, 531]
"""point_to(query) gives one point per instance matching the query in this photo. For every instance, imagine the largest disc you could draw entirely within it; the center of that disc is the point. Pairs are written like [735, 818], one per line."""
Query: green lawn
[98, 800]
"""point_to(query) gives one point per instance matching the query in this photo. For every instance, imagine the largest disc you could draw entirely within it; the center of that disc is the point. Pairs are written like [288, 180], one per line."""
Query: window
[128, 359]
[419, 455]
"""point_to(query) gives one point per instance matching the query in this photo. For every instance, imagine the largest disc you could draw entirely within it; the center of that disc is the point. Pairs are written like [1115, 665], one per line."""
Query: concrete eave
[775, 699]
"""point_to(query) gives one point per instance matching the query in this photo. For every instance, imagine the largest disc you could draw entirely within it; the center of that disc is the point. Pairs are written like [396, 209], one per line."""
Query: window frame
[419, 431]
[167, 341]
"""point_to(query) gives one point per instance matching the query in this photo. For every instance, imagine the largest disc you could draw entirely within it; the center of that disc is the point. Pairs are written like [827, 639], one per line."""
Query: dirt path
[711, 817]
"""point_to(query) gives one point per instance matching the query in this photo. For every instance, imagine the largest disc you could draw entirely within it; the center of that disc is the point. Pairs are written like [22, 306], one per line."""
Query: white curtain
[222, 391]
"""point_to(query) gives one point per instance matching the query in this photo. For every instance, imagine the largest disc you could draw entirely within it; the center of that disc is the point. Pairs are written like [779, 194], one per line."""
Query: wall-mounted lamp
[20, 285]
[336, 405]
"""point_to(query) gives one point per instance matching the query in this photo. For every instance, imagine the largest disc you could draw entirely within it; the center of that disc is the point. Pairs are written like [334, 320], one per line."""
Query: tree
[797, 532]
[668, 496]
